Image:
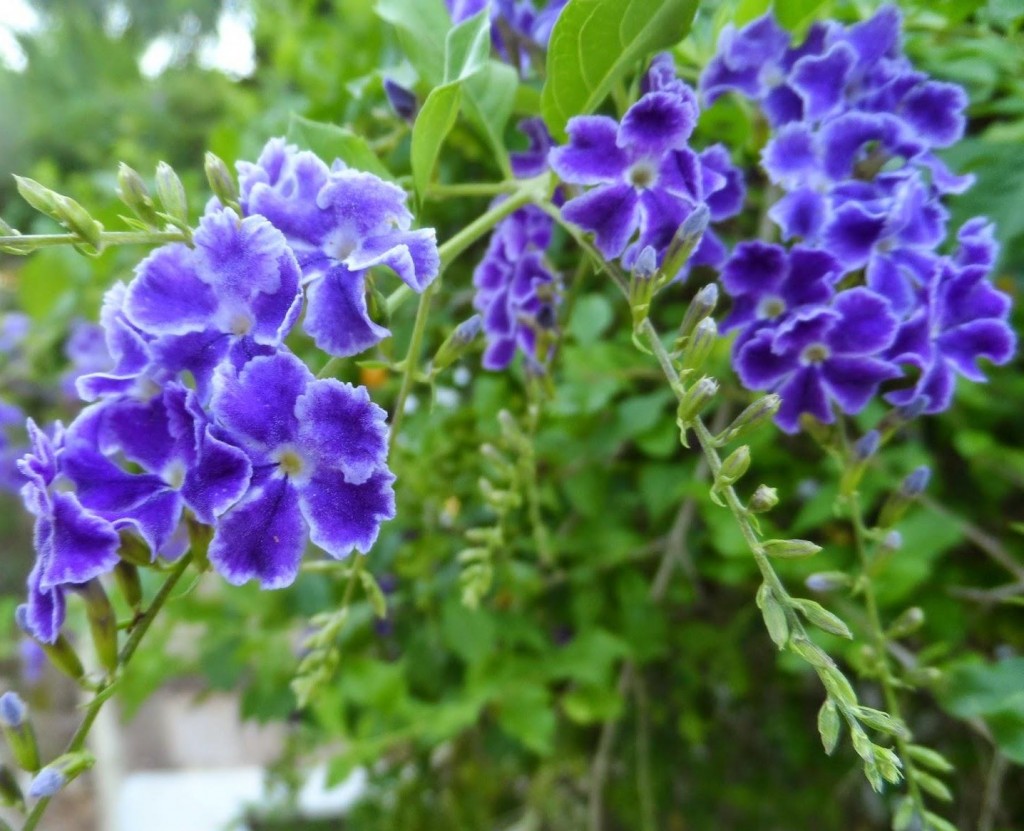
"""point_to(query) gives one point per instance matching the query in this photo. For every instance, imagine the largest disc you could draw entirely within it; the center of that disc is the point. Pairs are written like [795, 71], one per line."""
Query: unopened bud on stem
[17, 729]
[222, 183]
[898, 502]
[760, 412]
[60, 652]
[763, 500]
[172, 194]
[699, 345]
[695, 399]
[51, 779]
[135, 195]
[735, 465]
[702, 305]
[686, 239]
[457, 343]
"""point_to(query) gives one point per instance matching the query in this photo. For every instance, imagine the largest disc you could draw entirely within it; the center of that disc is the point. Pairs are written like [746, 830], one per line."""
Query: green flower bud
[686, 239]
[760, 412]
[828, 725]
[790, 549]
[695, 399]
[899, 501]
[457, 343]
[102, 623]
[642, 284]
[77, 220]
[51, 779]
[127, 577]
[826, 581]
[222, 183]
[17, 729]
[907, 623]
[61, 654]
[701, 307]
[135, 195]
[38, 196]
[172, 194]
[699, 345]
[735, 465]
[763, 500]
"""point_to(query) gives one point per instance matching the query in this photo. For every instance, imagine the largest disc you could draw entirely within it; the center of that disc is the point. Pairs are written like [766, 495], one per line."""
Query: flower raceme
[864, 295]
[200, 414]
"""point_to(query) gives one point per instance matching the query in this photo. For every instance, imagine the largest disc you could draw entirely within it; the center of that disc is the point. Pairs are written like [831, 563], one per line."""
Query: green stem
[412, 359]
[440, 191]
[877, 632]
[106, 690]
[34, 241]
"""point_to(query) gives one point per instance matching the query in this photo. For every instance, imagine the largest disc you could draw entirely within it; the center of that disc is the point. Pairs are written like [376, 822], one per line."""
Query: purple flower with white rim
[766, 282]
[964, 318]
[86, 351]
[340, 223]
[73, 544]
[185, 465]
[516, 291]
[820, 355]
[319, 456]
[533, 161]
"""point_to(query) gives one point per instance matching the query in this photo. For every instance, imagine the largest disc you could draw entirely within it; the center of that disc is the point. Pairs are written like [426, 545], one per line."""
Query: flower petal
[343, 516]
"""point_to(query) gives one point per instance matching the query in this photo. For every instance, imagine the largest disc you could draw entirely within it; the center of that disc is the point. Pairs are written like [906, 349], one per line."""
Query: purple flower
[340, 223]
[73, 544]
[819, 354]
[86, 351]
[516, 291]
[519, 31]
[963, 318]
[644, 181]
[318, 451]
[534, 160]
[766, 282]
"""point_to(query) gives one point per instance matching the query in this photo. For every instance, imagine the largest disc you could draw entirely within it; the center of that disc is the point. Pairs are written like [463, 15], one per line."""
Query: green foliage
[596, 42]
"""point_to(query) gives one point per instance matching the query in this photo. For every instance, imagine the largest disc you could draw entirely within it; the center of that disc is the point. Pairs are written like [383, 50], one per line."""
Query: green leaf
[591, 318]
[435, 120]
[525, 713]
[596, 42]
[467, 47]
[330, 142]
[421, 26]
[792, 13]
[489, 97]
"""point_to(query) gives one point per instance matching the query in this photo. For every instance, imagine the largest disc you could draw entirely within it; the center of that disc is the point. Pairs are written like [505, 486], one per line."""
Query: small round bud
[135, 195]
[702, 305]
[735, 465]
[827, 581]
[12, 710]
[646, 263]
[763, 500]
[700, 344]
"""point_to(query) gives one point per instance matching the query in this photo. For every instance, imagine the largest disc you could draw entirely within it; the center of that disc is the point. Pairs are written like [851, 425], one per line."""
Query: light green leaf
[488, 98]
[595, 42]
[434, 122]
[792, 13]
[330, 142]
[421, 26]
[467, 47]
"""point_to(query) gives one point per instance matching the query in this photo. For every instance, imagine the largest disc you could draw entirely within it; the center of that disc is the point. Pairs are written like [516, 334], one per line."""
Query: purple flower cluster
[864, 295]
[204, 417]
[641, 178]
[516, 291]
[519, 30]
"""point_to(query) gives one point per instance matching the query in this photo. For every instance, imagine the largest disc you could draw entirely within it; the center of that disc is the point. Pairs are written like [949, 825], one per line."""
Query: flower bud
[898, 502]
[790, 549]
[77, 220]
[403, 101]
[702, 305]
[135, 195]
[735, 465]
[763, 500]
[17, 729]
[828, 725]
[826, 581]
[457, 343]
[127, 577]
[907, 623]
[760, 412]
[38, 196]
[51, 779]
[686, 239]
[641, 284]
[867, 445]
[172, 194]
[10, 792]
[893, 541]
[695, 399]
[102, 622]
[61, 654]
[222, 183]
[699, 345]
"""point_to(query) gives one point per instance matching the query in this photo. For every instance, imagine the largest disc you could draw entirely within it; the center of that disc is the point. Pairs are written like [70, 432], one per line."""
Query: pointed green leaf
[421, 26]
[435, 120]
[596, 42]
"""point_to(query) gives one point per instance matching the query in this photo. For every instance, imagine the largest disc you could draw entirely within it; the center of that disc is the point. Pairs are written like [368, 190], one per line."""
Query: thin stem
[107, 688]
[440, 191]
[412, 359]
[877, 632]
[34, 241]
